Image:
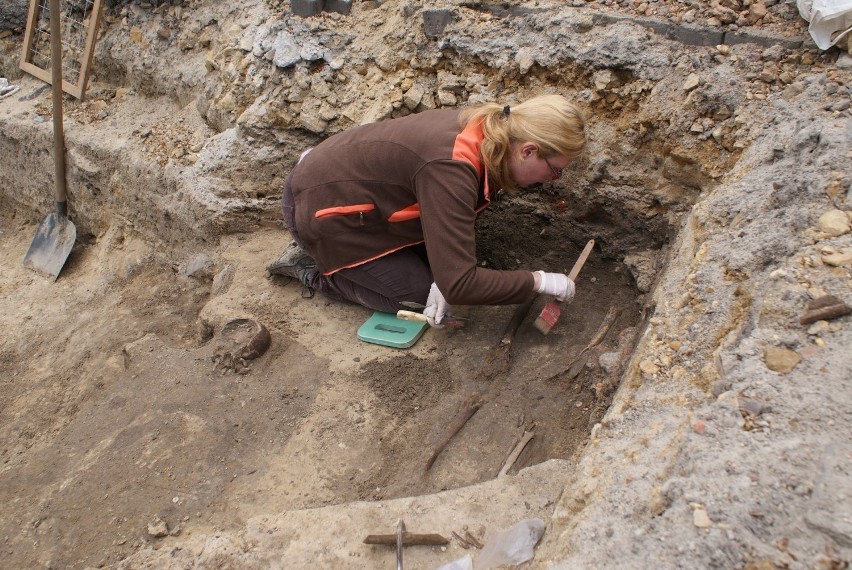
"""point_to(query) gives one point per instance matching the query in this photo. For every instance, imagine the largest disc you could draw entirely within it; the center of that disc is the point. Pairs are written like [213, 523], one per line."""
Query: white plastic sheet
[830, 20]
[513, 546]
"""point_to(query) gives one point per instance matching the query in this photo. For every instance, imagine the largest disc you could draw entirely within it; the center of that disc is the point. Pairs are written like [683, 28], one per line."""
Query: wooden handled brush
[454, 322]
[550, 313]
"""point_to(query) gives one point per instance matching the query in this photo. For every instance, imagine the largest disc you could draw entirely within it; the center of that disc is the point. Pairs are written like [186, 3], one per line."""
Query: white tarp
[830, 20]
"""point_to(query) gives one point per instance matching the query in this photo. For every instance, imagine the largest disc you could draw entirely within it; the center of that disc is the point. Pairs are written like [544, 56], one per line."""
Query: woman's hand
[436, 307]
[557, 284]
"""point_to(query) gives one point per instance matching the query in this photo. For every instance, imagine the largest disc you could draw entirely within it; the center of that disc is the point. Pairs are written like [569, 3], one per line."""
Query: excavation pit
[190, 435]
[130, 434]
[320, 419]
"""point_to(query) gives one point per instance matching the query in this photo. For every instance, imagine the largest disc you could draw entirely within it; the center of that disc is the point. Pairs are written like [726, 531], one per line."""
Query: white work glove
[556, 284]
[436, 307]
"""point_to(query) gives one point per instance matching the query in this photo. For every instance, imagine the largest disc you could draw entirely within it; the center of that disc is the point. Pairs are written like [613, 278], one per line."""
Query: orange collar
[466, 149]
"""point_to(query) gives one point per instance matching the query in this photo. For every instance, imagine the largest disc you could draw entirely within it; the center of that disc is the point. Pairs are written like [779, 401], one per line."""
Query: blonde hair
[554, 124]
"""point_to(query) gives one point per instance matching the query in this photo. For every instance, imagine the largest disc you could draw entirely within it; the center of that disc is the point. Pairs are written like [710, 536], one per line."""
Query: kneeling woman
[384, 213]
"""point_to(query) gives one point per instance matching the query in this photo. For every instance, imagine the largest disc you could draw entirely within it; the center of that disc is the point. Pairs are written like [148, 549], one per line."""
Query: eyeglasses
[557, 172]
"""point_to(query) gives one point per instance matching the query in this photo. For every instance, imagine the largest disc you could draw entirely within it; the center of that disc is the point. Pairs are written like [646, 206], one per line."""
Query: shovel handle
[56, 84]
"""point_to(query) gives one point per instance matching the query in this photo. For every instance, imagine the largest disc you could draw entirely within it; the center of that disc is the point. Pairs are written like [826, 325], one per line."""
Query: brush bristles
[547, 318]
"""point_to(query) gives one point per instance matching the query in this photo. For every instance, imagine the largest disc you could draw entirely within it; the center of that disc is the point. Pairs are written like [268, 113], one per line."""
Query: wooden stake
[498, 359]
[468, 408]
[825, 308]
[607, 322]
[609, 319]
[516, 452]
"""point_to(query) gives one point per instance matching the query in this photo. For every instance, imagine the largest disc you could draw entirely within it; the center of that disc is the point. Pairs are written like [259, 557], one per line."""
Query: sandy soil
[126, 418]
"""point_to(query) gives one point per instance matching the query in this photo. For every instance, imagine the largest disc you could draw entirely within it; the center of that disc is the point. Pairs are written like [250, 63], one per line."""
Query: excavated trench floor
[128, 416]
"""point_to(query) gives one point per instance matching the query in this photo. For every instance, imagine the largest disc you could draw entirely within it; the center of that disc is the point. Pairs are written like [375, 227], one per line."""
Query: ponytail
[555, 125]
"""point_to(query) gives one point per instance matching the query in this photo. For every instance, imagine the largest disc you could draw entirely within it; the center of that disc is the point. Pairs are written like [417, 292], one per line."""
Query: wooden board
[79, 21]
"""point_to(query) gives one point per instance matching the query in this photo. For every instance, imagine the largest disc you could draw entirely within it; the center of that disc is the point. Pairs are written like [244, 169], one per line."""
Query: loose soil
[129, 416]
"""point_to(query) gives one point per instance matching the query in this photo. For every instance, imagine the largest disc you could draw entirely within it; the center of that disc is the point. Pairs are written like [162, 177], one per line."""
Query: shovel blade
[51, 245]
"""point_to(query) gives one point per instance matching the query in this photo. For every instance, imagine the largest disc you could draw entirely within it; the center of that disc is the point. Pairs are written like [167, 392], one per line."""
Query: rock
[158, 528]
[819, 327]
[642, 266]
[135, 35]
[450, 82]
[750, 406]
[319, 88]
[844, 61]
[774, 53]
[435, 21]
[839, 258]
[311, 51]
[756, 12]
[781, 359]
[701, 519]
[834, 223]
[380, 109]
[222, 281]
[447, 98]
[412, 98]
[13, 14]
[247, 41]
[692, 81]
[603, 79]
[286, 50]
[648, 367]
[786, 77]
[610, 362]
[428, 101]
[525, 61]
[312, 121]
[767, 76]
[822, 309]
[199, 266]
[725, 15]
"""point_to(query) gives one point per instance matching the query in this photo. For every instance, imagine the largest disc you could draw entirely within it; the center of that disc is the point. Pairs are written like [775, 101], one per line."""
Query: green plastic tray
[387, 330]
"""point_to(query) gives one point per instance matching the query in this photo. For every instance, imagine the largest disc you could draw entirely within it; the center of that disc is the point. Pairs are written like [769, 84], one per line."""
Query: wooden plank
[86, 55]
